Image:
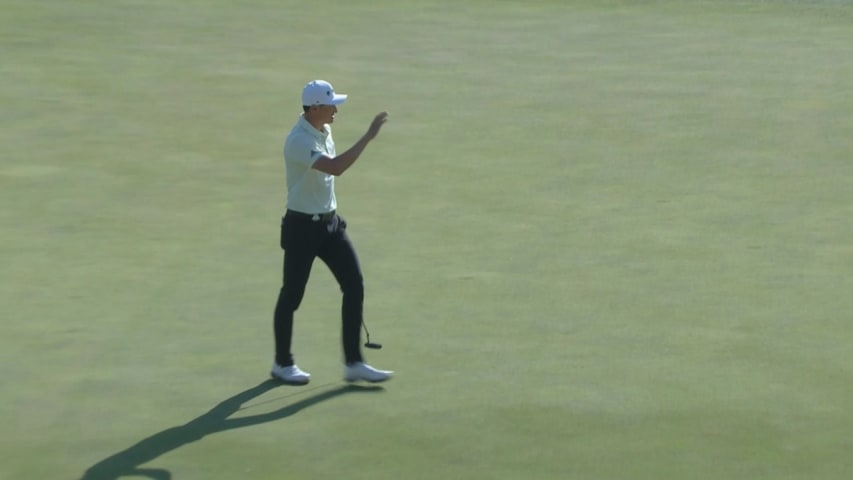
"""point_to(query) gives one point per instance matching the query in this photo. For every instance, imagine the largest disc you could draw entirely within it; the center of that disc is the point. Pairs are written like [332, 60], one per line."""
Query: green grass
[601, 240]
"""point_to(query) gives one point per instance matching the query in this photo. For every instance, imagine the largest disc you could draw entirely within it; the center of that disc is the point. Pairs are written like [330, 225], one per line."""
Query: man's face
[326, 113]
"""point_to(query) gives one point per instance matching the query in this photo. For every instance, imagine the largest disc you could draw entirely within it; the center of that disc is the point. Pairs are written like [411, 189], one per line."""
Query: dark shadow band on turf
[127, 462]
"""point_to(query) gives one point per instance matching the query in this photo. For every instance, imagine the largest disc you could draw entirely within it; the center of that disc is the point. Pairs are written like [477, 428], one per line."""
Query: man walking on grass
[311, 229]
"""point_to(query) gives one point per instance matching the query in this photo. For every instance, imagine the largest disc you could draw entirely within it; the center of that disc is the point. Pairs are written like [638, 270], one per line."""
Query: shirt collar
[310, 128]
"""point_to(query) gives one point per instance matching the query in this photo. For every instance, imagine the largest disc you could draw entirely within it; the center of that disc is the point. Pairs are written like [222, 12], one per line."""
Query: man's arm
[338, 165]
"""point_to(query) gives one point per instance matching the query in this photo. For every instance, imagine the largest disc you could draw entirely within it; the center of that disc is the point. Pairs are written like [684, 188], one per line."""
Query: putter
[368, 343]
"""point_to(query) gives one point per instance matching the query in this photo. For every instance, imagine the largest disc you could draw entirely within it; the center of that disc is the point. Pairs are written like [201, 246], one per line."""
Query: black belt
[314, 217]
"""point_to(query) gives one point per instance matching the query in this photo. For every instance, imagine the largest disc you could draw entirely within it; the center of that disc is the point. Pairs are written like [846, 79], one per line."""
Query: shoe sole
[352, 380]
[289, 382]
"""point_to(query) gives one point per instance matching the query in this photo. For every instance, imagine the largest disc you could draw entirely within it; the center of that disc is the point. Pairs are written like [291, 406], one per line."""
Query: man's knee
[354, 288]
[290, 299]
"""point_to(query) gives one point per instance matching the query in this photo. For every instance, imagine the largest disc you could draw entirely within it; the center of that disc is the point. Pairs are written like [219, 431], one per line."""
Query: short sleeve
[301, 149]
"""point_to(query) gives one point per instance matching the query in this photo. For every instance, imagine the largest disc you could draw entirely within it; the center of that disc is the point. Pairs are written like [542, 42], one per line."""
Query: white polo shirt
[309, 190]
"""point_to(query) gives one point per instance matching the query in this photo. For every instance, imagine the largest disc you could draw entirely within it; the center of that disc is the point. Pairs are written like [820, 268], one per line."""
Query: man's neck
[317, 124]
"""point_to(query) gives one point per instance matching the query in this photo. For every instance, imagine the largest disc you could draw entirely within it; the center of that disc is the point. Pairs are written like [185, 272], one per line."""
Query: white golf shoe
[362, 371]
[290, 374]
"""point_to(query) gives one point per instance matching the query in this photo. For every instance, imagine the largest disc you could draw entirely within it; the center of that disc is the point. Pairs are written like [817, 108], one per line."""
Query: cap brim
[338, 99]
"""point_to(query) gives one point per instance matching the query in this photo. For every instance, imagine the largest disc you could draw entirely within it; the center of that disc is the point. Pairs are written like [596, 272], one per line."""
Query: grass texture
[601, 240]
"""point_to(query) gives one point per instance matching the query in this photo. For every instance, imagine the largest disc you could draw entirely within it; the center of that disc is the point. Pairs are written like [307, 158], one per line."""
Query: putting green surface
[601, 240]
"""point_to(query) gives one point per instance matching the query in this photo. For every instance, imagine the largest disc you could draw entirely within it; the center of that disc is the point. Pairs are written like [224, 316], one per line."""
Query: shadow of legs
[126, 463]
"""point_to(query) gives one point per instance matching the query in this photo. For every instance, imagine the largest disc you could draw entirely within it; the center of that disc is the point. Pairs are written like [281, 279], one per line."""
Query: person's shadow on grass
[127, 462]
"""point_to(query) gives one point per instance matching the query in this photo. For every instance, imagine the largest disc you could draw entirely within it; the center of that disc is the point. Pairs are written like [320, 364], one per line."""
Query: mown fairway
[601, 239]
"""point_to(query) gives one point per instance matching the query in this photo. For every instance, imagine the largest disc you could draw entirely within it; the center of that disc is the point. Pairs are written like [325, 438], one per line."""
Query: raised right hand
[376, 125]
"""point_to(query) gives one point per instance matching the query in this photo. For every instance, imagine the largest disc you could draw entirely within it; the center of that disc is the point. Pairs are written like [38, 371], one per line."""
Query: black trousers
[303, 239]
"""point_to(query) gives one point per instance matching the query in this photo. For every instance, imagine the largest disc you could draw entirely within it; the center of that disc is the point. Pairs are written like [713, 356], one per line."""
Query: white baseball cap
[321, 92]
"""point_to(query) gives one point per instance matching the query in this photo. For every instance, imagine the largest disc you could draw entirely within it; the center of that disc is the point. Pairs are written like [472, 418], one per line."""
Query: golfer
[311, 229]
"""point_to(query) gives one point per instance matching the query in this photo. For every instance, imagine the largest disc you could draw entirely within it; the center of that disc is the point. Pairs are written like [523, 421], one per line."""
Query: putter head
[373, 345]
